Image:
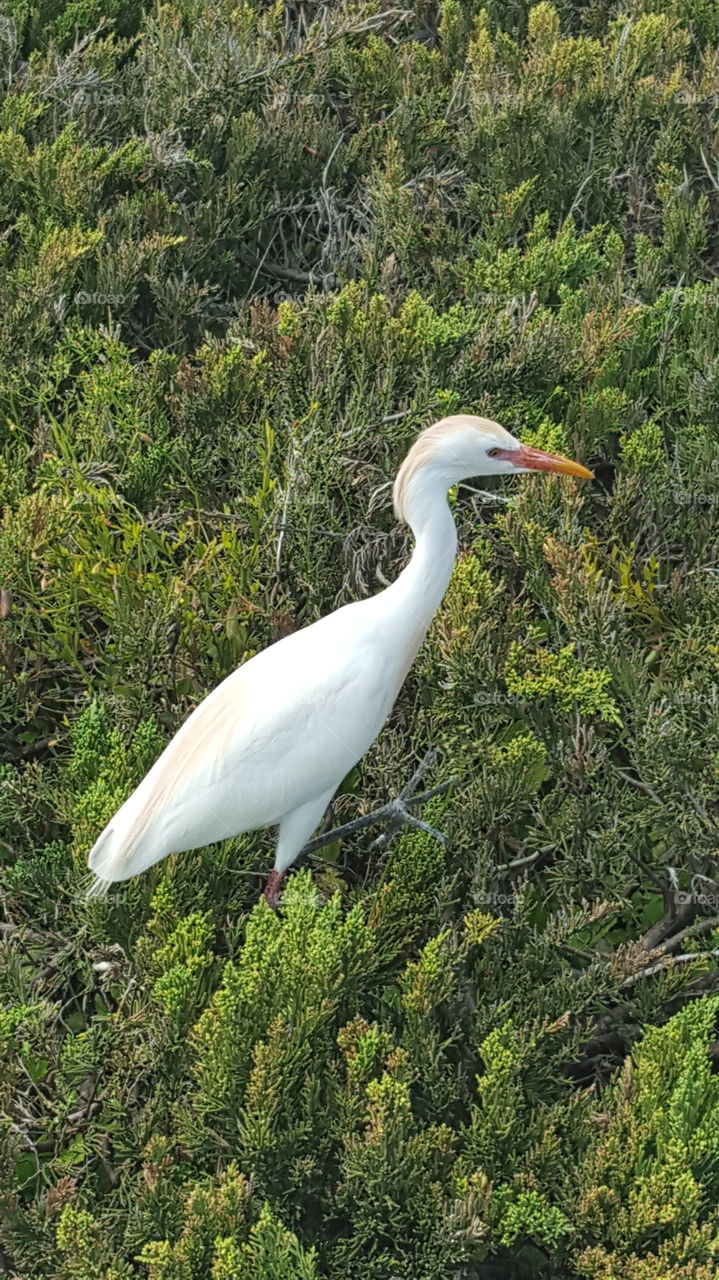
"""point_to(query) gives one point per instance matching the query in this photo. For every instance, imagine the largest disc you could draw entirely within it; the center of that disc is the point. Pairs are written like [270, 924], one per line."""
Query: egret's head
[463, 446]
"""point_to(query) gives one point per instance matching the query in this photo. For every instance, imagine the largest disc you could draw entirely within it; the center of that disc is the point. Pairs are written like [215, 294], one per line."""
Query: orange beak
[528, 459]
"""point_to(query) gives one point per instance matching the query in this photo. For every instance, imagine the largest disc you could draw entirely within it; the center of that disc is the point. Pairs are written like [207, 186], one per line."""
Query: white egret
[271, 744]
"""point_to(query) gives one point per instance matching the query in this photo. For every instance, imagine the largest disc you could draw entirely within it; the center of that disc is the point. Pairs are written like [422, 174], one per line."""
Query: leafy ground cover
[247, 253]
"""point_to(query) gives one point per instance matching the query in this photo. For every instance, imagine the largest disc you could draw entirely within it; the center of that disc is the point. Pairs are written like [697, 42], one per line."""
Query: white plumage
[271, 744]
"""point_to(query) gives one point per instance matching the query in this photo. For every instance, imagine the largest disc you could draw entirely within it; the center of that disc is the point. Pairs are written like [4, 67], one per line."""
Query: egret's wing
[284, 727]
[147, 826]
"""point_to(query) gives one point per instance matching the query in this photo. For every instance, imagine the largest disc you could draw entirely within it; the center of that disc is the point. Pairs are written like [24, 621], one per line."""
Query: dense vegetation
[248, 251]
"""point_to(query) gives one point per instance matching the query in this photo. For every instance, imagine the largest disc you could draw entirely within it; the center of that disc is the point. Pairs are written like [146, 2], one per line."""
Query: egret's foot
[396, 813]
[399, 817]
[273, 889]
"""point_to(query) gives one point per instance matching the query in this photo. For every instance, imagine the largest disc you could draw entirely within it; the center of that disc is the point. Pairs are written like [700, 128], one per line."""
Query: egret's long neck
[418, 590]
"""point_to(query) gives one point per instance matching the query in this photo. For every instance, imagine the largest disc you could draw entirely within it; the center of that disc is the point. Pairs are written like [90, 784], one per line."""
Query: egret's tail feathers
[114, 855]
[96, 890]
[103, 855]
[130, 843]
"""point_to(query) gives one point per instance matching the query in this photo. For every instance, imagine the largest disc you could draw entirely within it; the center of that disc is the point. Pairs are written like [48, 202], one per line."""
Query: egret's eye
[493, 453]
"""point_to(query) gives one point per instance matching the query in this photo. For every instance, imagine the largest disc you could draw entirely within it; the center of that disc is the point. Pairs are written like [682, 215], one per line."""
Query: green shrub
[247, 253]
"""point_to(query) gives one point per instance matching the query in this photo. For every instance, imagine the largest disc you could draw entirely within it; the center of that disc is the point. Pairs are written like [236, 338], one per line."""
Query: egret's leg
[294, 829]
[273, 888]
[396, 812]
